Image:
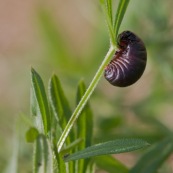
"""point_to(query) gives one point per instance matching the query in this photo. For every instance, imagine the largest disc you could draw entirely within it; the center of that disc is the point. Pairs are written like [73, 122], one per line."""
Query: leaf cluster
[50, 116]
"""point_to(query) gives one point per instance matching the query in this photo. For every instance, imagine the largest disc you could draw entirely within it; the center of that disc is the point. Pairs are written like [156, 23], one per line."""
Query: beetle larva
[129, 61]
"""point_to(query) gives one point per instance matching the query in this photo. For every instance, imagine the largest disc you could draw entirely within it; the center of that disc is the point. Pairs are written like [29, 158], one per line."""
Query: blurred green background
[70, 38]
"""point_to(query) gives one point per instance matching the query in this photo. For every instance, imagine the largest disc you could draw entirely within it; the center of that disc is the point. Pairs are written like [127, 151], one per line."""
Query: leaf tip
[32, 70]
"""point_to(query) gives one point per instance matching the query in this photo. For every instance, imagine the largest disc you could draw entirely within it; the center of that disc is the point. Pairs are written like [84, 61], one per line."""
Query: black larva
[129, 61]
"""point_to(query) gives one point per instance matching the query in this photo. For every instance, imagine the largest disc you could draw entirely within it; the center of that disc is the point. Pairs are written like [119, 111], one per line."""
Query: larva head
[126, 37]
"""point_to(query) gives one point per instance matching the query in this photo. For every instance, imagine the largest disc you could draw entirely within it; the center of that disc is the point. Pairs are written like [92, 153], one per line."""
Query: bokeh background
[70, 38]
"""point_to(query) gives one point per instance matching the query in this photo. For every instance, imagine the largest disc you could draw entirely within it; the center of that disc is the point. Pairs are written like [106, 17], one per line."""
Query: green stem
[85, 97]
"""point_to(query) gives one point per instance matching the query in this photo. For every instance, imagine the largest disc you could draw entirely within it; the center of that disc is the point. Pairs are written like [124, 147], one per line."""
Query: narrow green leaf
[84, 127]
[60, 105]
[31, 134]
[154, 158]
[122, 6]
[110, 147]
[110, 164]
[59, 164]
[59, 102]
[43, 162]
[61, 108]
[85, 121]
[71, 146]
[39, 102]
[107, 8]
[56, 129]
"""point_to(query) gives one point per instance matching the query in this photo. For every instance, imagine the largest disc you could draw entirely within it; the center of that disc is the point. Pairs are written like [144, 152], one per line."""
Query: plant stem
[85, 97]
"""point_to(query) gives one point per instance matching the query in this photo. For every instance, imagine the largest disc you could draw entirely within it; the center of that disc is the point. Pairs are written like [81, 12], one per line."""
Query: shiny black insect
[129, 61]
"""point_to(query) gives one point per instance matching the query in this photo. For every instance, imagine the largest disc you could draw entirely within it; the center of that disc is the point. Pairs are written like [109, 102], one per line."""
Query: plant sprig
[114, 23]
[107, 6]
[85, 98]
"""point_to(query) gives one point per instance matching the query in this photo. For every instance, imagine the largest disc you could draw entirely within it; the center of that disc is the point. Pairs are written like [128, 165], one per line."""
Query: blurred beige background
[81, 25]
